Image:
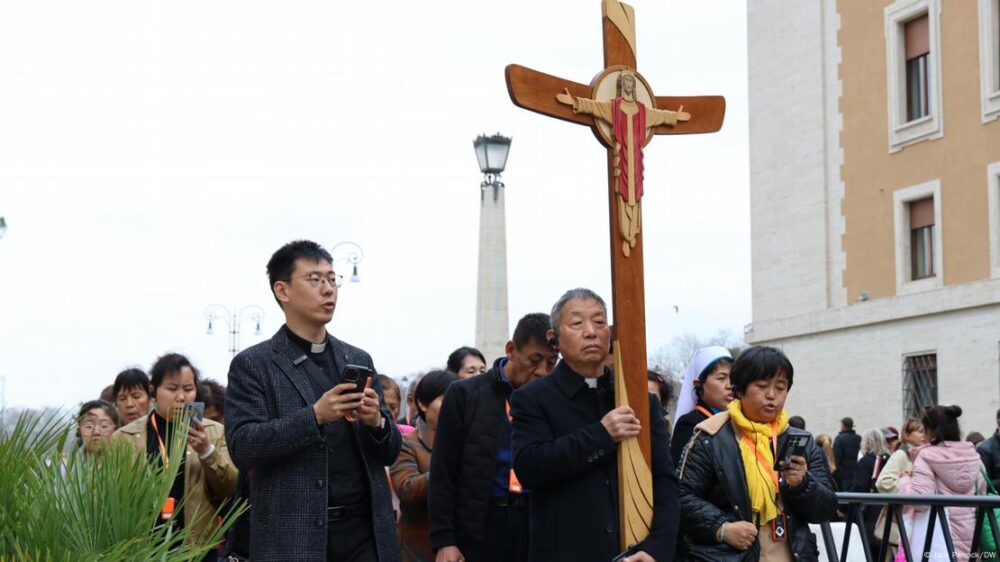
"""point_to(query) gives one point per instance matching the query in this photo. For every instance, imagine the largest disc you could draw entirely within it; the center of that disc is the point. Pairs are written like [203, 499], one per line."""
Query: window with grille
[920, 388]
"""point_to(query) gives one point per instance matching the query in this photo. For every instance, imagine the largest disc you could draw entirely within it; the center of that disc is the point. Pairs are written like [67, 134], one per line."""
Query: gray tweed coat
[272, 433]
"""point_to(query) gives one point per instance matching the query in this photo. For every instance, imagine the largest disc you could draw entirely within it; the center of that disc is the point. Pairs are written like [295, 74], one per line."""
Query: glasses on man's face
[103, 427]
[315, 279]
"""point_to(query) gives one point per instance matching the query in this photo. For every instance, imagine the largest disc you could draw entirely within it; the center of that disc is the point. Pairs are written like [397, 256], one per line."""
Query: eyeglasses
[104, 427]
[315, 279]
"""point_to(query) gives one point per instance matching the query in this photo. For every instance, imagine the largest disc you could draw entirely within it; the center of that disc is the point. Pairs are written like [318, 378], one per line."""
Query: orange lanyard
[703, 410]
[159, 439]
[167, 511]
[513, 484]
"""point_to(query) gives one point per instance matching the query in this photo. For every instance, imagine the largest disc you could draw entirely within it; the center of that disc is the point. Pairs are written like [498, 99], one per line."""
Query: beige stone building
[875, 204]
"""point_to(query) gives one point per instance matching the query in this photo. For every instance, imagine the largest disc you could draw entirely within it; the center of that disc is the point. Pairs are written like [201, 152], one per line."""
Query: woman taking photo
[735, 506]
[705, 392]
[205, 473]
[411, 471]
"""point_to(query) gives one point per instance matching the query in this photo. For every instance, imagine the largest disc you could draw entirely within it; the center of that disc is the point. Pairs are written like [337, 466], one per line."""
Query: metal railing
[855, 503]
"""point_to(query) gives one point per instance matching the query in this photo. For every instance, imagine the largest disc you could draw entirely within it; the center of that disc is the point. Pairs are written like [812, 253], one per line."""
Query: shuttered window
[917, 38]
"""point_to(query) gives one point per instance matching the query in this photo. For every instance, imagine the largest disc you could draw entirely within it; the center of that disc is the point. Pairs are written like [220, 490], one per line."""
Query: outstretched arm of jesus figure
[599, 109]
[656, 117]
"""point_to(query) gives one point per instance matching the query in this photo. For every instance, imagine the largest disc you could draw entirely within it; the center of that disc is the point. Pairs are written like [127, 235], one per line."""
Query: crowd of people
[507, 462]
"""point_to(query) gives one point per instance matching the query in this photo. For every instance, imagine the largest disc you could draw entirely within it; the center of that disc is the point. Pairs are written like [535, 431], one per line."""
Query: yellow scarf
[758, 460]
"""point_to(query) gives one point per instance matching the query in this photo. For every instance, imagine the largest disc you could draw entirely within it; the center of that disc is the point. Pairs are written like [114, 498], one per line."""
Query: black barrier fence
[855, 503]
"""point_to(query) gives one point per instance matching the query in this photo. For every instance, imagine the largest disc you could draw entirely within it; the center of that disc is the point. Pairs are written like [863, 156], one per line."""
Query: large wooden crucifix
[624, 115]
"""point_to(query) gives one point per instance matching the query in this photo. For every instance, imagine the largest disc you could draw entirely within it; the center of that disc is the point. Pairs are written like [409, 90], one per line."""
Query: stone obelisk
[491, 291]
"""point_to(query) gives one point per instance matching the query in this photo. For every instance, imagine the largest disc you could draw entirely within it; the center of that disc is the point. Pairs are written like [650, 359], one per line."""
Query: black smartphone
[196, 410]
[360, 376]
[794, 445]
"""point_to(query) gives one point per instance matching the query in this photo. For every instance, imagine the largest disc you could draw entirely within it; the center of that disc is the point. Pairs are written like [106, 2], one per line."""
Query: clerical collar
[304, 344]
[592, 383]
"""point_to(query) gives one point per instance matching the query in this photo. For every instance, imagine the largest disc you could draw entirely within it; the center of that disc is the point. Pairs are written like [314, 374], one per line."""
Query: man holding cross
[621, 110]
[565, 433]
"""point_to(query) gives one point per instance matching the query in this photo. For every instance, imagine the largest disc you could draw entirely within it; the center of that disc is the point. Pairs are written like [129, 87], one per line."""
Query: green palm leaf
[70, 508]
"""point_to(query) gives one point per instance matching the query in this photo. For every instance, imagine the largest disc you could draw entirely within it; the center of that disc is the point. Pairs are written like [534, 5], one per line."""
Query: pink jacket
[950, 468]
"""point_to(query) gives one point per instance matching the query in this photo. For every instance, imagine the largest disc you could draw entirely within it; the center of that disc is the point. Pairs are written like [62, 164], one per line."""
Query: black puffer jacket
[465, 460]
[713, 490]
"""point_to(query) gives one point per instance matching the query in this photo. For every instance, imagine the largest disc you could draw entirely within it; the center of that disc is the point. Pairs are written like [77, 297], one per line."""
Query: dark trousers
[506, 536]
[350, 540]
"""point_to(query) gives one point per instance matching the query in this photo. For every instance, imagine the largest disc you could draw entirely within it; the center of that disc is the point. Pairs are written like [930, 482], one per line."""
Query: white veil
[701, 359]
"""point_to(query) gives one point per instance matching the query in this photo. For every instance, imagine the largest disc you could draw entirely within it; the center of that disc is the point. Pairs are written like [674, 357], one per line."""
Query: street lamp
[491, 152]
[351, 253]
[234, 321]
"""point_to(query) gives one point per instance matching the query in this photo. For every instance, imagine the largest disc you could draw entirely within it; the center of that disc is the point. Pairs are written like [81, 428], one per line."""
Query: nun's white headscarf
[701, 359]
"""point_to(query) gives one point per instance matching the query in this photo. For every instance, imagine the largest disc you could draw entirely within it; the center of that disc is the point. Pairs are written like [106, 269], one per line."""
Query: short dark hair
[458, 356]
[282, 263]
[533, 326]
[108, 393]
[213, 394]
[131, 378]
[797, 422]
[943, 423]
[665, 393]
[432, 385]
[759, 363]
[169, 364]
[108, 408]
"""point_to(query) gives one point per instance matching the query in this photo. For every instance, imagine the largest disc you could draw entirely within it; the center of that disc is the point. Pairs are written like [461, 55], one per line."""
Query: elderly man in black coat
[314, 447]
[565, 434]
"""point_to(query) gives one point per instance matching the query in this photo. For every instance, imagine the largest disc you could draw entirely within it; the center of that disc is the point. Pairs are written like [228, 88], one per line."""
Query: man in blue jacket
[565, 433]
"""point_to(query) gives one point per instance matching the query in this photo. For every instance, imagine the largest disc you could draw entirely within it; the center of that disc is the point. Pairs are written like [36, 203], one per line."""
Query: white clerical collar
[317, 347]
[592, 383]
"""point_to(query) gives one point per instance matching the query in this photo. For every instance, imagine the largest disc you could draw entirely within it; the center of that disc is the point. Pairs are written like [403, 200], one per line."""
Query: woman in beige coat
[207, 475]
[897, 472]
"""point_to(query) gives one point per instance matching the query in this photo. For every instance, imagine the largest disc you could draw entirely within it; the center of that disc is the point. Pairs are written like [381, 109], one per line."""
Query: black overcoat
[272, 433]
[563, 454]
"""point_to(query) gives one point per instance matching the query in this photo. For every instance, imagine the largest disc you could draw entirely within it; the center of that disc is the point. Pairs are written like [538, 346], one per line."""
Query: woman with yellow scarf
[737, 503]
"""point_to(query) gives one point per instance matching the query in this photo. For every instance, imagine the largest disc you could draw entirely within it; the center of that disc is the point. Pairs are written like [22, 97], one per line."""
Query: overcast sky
[154, 154]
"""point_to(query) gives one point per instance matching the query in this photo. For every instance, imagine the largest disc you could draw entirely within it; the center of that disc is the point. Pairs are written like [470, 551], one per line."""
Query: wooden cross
[559, 98]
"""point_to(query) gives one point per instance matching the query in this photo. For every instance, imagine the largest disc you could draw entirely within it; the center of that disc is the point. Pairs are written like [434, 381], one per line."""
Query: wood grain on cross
[536, 91]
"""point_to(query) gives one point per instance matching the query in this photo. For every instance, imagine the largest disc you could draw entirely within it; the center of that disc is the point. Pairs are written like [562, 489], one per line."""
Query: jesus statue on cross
[630, 120]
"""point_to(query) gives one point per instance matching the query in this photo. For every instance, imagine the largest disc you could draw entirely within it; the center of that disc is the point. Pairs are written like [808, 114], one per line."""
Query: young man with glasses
[314, 447]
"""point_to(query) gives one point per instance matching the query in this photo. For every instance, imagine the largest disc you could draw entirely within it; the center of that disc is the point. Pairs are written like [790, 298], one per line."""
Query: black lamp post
[234, 321]
[491, 152]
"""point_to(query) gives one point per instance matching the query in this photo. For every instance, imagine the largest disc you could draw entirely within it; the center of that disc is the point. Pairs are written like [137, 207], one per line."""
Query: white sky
[154, 154]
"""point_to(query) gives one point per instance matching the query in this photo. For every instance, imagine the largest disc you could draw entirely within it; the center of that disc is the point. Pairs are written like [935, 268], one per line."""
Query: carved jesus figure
[629, 119]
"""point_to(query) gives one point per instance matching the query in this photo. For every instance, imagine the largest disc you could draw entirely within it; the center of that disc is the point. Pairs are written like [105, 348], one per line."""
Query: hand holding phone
[361, 377]
[794, 445]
